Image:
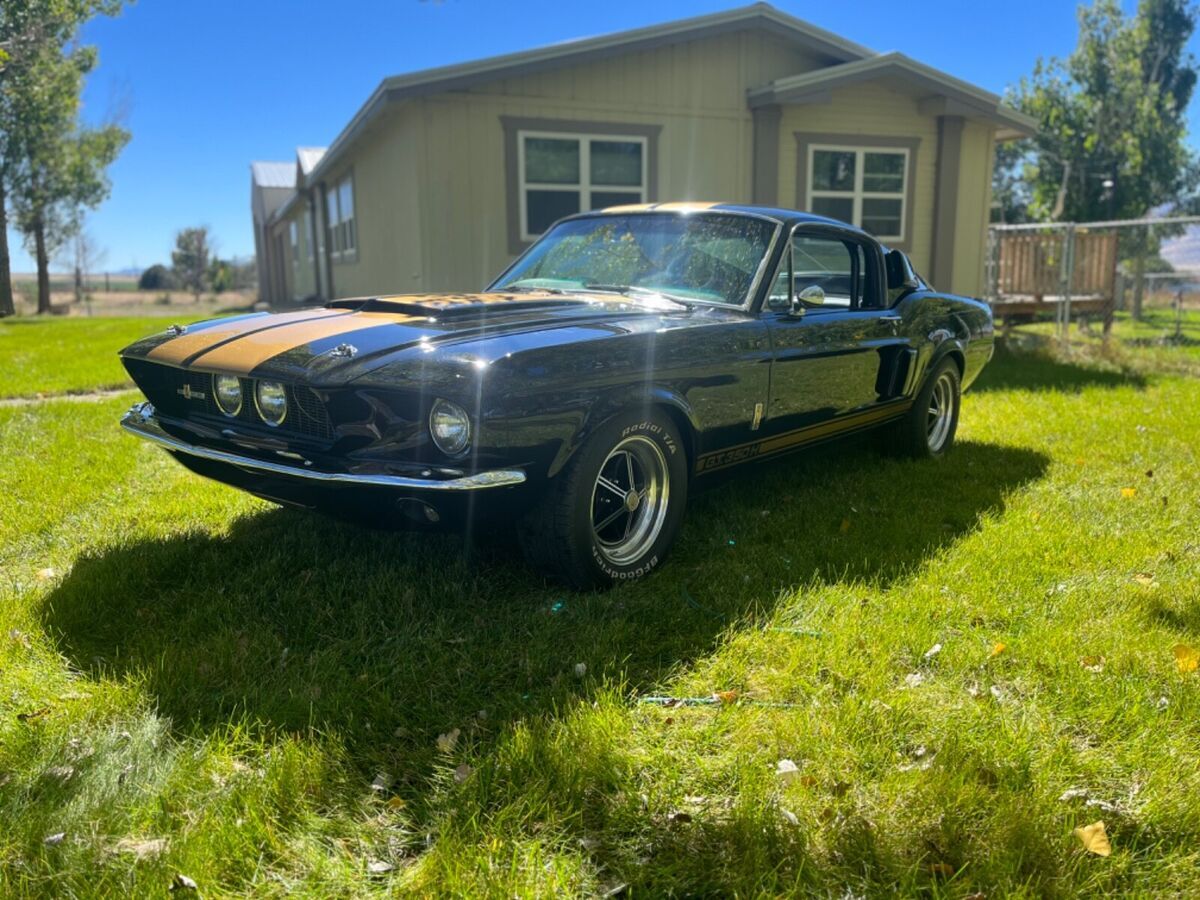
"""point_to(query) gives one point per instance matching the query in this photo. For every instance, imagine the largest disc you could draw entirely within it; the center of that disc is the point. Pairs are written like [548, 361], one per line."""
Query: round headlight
[228, 391]
[271, 400]
[450, 427]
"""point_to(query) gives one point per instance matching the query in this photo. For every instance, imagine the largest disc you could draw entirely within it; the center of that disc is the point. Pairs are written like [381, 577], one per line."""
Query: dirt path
[85, 397]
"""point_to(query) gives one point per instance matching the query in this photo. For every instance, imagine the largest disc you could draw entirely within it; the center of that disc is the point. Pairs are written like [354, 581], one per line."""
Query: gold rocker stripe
[243, 355]
[178, 351]
[720, 459]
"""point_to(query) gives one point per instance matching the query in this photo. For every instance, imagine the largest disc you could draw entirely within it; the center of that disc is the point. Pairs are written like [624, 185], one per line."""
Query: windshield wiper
[635, 290]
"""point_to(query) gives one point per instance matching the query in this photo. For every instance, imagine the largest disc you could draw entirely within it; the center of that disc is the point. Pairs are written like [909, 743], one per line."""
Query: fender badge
[176, 330]
[347, 351]
[187, 393]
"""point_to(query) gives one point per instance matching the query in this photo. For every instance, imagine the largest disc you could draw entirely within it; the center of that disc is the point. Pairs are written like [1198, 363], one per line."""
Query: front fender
[617, 400]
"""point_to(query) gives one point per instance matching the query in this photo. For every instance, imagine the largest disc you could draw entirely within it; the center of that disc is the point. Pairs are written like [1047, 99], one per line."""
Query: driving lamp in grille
[271, 400]
[228, 391]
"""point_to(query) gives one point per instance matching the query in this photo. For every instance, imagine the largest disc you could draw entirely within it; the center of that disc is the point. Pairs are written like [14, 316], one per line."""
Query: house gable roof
[273, 174]
[574, 52]
[949, 95]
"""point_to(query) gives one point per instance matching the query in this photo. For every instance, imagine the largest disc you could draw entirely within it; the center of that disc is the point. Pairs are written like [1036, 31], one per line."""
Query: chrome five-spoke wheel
[941, 411]
[629, 499]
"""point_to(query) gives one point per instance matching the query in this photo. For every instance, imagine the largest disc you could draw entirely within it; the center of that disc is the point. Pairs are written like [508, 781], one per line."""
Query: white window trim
[858, 194]
[294, 241]
[309, 236]
[584, 187]
[336, 231]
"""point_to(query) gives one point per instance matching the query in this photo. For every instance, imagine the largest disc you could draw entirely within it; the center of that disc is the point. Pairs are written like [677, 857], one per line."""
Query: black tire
[927, 431]
[560, 535]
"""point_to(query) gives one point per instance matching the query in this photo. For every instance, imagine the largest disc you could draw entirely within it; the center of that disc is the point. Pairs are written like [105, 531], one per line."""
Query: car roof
[788, 217]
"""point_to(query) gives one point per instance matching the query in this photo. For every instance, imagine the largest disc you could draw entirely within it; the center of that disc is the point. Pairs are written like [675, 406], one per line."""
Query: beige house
[443, 176]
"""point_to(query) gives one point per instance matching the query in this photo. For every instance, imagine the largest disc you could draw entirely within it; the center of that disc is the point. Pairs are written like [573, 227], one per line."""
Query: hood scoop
[444, 307]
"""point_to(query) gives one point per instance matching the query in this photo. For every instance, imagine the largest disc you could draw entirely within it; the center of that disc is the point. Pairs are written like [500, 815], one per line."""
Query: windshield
[699, 256]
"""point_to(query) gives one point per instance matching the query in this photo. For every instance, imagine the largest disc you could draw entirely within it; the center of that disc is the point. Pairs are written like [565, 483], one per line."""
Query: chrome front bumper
[140, 420]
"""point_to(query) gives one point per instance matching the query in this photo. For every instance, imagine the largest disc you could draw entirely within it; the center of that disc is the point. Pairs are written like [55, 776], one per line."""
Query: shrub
[157, 278]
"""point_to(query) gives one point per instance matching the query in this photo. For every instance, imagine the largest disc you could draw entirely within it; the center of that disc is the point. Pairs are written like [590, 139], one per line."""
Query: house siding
[870, 110]
[694, 91]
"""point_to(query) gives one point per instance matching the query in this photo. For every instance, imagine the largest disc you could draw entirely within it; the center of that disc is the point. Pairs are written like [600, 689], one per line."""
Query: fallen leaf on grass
[845, 526]
[933, 651]
[997, 649]
[182, 883]
[941, 870]
[787, 771]
[678, 817]
[446, 742]
[1145, 579]
[396, 803]
[726, 696]
[914, 679]
[45, 574]
[1092, 663]
[382, 782]
[1187, 659]
[790, 816]
[1128, 492]
[52, 840]
[1094, 839]
[378, 867]
[142, 849]
[462, 773]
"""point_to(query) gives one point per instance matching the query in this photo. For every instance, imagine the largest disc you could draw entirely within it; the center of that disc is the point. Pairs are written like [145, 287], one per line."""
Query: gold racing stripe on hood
[179, 350]
[245, 354]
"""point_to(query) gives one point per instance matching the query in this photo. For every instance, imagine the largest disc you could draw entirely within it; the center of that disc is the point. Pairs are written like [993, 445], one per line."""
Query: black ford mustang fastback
[624, 355]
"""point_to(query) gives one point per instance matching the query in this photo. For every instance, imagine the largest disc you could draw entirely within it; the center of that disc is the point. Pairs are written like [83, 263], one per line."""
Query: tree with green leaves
[41, 76]
[191, 259]
[1112, 127]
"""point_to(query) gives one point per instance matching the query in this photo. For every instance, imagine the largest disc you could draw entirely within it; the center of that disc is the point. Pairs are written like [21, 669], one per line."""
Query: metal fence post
[1068, 270]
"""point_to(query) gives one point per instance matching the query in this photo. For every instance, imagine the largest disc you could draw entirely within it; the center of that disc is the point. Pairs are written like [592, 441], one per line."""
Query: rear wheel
[613, 513]
[927, 430]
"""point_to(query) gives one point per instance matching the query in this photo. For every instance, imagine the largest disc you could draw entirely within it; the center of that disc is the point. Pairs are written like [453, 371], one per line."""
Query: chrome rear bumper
[140, 420]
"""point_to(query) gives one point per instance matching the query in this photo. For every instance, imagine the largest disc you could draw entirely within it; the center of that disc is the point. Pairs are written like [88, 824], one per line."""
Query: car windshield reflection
[709, 257]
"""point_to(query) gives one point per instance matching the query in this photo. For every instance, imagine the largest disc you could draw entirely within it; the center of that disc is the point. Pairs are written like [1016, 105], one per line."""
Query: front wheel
[927, 430]
[613, 513]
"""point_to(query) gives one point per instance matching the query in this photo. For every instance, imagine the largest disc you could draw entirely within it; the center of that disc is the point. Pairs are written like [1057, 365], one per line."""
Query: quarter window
[863, 186]
[562, 174]
[340, 221]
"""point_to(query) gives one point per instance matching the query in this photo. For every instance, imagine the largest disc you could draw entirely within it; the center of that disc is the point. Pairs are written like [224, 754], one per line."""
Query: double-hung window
[561, 174]
[339, 218]
[865, 186]
[294, 240]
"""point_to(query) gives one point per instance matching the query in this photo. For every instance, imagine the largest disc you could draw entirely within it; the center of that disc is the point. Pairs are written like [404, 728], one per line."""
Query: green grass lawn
[965, 660]
[46, 356]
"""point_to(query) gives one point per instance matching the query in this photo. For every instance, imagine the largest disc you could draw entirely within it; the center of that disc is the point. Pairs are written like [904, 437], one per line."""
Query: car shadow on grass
[1026, 363]
[289, 623]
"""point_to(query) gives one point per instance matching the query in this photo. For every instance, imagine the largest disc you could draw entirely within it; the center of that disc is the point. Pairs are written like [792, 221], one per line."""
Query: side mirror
[900, 272]
[813, 295]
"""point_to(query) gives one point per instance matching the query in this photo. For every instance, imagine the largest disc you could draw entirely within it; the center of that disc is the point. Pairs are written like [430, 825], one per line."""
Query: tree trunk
[43, 267]
[7, 308]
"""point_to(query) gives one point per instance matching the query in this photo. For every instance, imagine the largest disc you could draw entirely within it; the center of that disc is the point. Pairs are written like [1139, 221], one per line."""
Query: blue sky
[209, 85]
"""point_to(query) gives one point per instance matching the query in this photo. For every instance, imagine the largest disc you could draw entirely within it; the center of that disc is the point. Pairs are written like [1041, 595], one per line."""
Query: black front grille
[183, 394]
